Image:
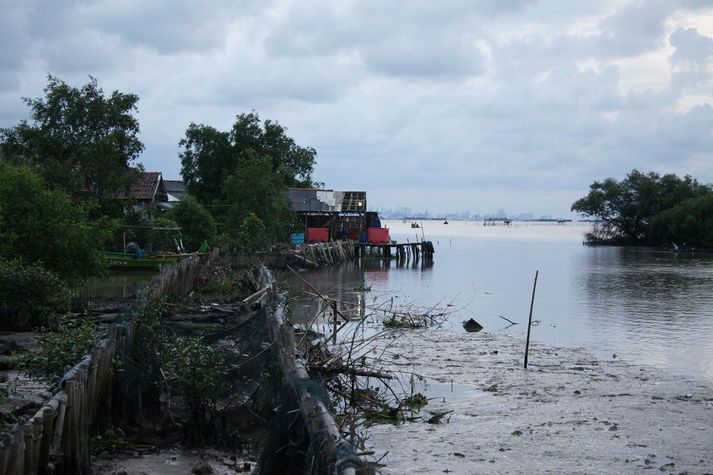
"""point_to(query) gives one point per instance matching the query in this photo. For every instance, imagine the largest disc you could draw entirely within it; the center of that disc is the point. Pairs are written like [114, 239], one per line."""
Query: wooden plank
[19, 442]
[43, 459]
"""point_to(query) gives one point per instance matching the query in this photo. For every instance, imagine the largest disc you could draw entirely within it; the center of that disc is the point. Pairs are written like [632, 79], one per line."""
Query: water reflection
[117, 284]
[355, 287]
[659, 304]
[647, 306]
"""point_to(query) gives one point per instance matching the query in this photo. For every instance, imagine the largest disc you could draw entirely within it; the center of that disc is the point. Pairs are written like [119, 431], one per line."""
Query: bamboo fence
[55, 440]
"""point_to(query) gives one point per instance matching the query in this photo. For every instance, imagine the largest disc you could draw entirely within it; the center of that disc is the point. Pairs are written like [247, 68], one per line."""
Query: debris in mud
[437, 417]
[472, 326]
[407, 322]
[202, 468]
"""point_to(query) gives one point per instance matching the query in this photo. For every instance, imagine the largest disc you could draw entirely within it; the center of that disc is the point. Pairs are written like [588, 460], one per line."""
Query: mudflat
[567, 413]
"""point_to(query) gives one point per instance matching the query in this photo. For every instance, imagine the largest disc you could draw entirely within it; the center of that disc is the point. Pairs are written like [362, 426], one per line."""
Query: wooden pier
[401, 252]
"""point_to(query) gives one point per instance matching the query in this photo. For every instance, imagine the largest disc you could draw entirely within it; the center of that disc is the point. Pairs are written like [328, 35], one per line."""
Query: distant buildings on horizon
[406, 213]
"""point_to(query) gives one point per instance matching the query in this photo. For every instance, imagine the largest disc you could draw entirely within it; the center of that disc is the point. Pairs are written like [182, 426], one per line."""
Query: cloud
[469, 98]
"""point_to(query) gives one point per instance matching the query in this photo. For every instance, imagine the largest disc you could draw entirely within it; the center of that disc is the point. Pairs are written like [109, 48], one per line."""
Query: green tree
[40, 225]
[79, 140]
[244, 171]
[207, 159]
[252, 235]
[209, 156]
[254, 189]
[689, 223]
[195, 221]
[626, 208]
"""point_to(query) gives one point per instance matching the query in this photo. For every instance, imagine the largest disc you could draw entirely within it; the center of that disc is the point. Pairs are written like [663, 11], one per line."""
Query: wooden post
[334, 321]
[48, 414]
[529, 321]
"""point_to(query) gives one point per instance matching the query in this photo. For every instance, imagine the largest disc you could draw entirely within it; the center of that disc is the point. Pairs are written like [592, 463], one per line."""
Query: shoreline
[568, 412]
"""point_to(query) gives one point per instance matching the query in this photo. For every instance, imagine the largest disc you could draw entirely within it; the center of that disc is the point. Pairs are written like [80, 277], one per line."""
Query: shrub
[59, 350]
[195, 221]
[198, 372]
[151, 334]
[252, 234]
[29, 295]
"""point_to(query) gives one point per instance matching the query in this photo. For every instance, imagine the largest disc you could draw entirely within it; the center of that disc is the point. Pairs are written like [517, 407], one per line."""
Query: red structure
[378, 235]
[317, 234]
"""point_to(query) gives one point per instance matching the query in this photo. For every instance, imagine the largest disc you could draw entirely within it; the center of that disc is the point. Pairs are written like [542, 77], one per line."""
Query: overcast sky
[442, 105]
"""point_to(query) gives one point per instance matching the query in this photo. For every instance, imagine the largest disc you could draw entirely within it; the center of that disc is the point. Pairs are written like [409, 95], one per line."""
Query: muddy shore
[567, 413]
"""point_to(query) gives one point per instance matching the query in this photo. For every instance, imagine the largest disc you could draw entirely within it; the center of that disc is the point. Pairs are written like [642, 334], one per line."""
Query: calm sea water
[645, 306]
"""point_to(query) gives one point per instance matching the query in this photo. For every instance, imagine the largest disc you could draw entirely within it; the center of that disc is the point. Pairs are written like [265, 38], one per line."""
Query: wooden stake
[529, 321]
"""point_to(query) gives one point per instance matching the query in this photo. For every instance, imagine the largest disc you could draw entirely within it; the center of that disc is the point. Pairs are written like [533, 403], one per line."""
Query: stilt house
[329, 215]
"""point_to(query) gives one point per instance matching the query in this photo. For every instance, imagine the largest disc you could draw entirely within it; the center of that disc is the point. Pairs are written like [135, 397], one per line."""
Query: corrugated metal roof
[174, 186]
[317, 200]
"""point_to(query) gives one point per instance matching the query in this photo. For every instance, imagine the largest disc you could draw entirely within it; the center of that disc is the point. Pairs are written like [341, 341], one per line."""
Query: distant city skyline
[405, 212]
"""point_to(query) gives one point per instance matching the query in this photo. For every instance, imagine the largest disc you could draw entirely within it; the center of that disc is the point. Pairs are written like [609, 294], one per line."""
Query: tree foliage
[628, 208]
[60, 349]
[252, 235]
[689, 223]
[252, 189]
[245, 171]
[195, 221]
[79, 140]
[29, 295]
[209, 156]
[40, 225]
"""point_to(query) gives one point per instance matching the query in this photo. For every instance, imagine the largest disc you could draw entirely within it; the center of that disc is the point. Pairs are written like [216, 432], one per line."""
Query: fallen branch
[350, 371]
[508, 320]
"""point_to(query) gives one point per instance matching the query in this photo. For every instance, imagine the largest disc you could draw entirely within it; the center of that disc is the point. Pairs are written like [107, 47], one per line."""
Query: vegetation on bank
[63, 170]
[650, 209]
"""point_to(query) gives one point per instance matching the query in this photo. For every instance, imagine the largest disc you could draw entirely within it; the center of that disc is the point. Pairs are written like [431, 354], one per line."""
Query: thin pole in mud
[334, 316]
[529, 321]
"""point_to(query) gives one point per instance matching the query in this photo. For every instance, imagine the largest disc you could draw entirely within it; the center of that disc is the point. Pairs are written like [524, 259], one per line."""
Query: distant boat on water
[415, 225]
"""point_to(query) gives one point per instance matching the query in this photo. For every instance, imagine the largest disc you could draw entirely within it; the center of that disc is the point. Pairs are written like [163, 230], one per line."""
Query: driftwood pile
[322, 254]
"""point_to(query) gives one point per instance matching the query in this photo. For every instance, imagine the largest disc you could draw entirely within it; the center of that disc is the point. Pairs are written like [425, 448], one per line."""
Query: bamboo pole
[529, 321]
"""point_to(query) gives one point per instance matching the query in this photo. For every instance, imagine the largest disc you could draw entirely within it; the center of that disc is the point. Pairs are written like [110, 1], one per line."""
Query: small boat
[415, 225]
[445, 222]
[125, 260]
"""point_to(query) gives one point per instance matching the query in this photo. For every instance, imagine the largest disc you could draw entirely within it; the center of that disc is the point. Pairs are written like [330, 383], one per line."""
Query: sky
[443, 106]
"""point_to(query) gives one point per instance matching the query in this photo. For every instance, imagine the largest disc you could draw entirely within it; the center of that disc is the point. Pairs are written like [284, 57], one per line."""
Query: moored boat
[125, 260]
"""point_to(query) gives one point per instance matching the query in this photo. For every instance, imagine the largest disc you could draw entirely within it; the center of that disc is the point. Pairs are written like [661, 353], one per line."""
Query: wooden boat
[415, 225]
[125, 260]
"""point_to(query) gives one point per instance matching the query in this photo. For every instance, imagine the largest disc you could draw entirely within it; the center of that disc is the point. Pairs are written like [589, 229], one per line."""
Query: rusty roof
[147, 185]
